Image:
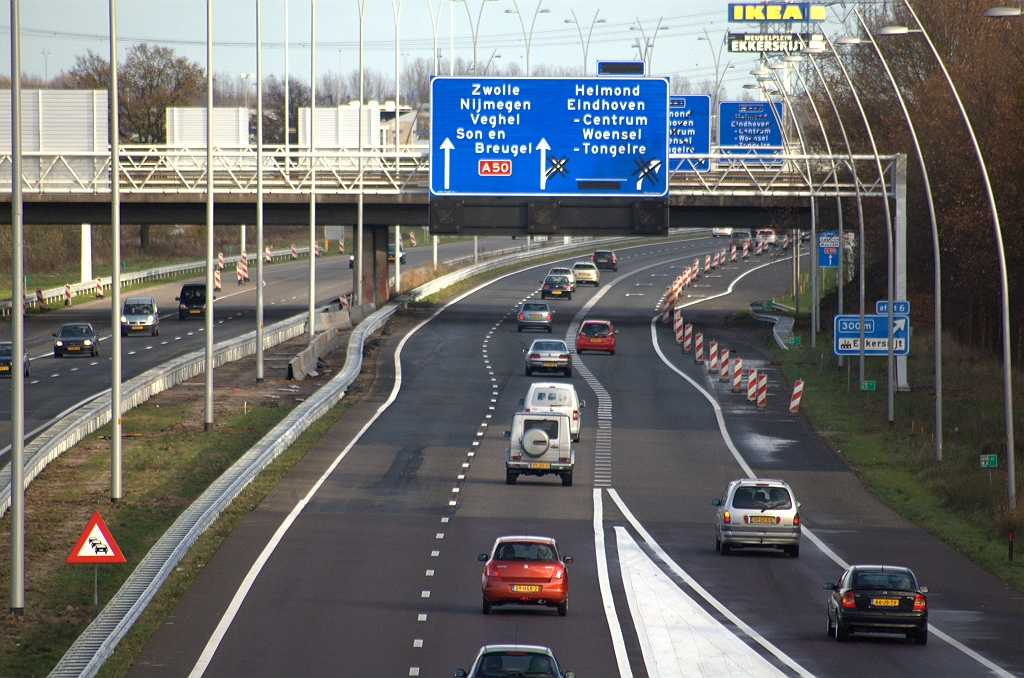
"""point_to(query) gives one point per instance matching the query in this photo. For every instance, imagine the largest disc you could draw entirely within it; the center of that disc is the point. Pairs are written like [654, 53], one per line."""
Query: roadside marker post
[723, 362]
[762, 391]
[737, 375]
[99, 288]
[216, 280]
[733, 253]
[95, 546]
[687, 338]
[40, 301]
[266, 254]
[295, 252]
[722, 256]
[412, 239]
[677, 324]
[714, 261]
[712, 356]
[759, 243]
[698, 355]
[220, 260]
[67, 295]
[751, 385]
[696, 269]
[798, 392]
[707, 263]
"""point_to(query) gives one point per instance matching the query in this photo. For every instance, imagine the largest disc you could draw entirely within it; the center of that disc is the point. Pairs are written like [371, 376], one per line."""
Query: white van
[554, 397]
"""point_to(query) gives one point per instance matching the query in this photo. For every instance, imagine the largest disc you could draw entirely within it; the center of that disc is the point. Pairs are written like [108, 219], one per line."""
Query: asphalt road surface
[363, 562]
[58, 384]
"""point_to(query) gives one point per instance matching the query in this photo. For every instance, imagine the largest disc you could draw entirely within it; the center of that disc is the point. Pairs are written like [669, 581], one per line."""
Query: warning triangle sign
[96, 545]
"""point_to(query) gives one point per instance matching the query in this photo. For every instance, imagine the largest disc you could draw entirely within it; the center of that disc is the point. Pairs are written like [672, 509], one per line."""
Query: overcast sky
[65, 29]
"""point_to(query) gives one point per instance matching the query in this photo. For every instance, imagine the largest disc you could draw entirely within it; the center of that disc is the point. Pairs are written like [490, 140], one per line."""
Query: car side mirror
[522, 401]
[53, 335]
[798, 504]
[924, 589]
[482, 557]
[567, 559]
[460, 673]
[507, 434]
[177, 299]
[583, 403]
[716, 502]
[570, 674]
[829, 586]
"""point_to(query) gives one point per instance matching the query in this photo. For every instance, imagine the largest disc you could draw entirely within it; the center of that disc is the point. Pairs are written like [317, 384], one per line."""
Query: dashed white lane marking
[677, 636]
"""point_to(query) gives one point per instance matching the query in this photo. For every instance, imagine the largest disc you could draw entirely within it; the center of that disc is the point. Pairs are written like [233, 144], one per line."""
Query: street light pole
[17, 327]
[208, 316]
[312, 170]
[475, 30]
[647, 54]
[115, 272]
[585, 44]
[717, 57]
[259, 190]
[357, 297]
[528, 39]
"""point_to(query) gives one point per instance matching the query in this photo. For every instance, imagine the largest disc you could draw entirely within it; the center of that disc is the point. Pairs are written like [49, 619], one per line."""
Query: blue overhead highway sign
[898, 307]
[749, 127]
[689, 132]
[828, 249]
[876, 336]
[577, 137]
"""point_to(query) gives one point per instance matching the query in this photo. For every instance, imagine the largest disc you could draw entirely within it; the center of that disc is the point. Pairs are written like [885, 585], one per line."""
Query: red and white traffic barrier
[242, 269]
[99, 288]
[762, 391]
[746, 250]
[401, 242]
[666, 313]
[341, 245]
[723, 364]
[677, 325]
[707, 263]
[722, 257]
[696, 269]
[67, 295]
[687, 337]
[798, 392]
[220, 260]
[344, 301]
[714, 261]
[216, 280]
[686, 277]
[733, 257]
[785, 242]
[737, 375]
[751, 385]
[698, 354]
[40, 302]
[412, 239]
[712, 356]
[266, 255]
[759, 244]
[295, 252]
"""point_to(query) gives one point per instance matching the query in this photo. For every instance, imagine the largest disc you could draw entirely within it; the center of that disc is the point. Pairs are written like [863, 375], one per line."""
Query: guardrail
[133, 277]
[782, 326]
[97, 642]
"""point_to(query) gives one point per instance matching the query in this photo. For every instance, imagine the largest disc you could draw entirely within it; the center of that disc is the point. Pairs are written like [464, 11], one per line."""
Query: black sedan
[7, 360]
[878, 599]
[556, 286]
[76, 339]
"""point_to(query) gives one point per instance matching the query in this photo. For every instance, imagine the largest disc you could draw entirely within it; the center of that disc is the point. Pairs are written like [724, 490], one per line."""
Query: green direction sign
[795, 341]
[230, 248]
[767, 304]
[989, 461]
[867, 386]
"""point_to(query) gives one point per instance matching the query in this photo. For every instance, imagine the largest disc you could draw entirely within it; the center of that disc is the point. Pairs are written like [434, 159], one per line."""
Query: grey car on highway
[140, 314]
[535, 315]
[548, 355]
[758, 513]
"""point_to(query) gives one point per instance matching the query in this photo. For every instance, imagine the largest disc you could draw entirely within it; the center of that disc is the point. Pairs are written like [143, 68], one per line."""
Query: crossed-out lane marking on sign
[557, 166]
[646, 169]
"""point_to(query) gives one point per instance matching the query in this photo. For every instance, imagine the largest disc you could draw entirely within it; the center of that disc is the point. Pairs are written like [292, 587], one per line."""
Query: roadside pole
[259, 191]
[208, 316]
[312, 171]
[115, 274]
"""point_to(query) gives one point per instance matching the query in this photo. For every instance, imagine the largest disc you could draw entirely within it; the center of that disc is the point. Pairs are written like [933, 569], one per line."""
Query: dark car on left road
[878, 599]
[556, 286]
[76, 339]
[7, 360]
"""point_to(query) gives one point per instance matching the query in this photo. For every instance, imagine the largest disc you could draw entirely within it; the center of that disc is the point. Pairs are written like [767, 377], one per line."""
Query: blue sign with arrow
[556, 137]
[828, 249]
[689, 132]
[846, 336]
[749, 127]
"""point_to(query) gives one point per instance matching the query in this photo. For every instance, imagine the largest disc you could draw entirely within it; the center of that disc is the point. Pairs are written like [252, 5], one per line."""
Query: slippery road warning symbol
[96, 544]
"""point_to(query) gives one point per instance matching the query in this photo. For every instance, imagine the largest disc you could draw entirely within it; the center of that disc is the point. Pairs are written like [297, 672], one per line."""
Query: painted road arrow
[448, 146]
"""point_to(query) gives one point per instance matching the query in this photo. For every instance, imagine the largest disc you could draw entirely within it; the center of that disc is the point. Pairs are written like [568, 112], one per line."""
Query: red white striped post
[40, 302]
[733, 257]
[723, 363]
[99, 288]
[344, 301]
[220, 260]
[707, 263]
[722, 257]
[677, 324]
[712, 356]
[242, 269]
[696, 269]
[737, 375]
[67, 295]
[762, 391]
[698, 354]
[295, 252]
[686, 277]
[266, 255]
[341, 245]
[759, 243]
[412, 239]
[216, 280]
[714, 261]
[751, 385]
[798, 392]
[785, 242]
[687, 337]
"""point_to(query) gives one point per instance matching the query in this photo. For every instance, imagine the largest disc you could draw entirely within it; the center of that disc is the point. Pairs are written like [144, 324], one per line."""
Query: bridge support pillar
[375, 265]
[86, 256]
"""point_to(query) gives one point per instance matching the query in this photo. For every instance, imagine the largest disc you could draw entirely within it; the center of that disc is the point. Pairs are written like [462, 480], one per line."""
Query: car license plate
[74, 348]
[556, 291]
[550, 364]
[195, 311]
[540, 464]
[137, 327]
[534, 315]
[762, 519]
[597, 341]
[5, 368]
[523, 588]
[885, 602]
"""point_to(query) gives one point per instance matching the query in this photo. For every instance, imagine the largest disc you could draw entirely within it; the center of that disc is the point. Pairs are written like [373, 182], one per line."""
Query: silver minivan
[555, 397]
[140, 314]
[758, 513]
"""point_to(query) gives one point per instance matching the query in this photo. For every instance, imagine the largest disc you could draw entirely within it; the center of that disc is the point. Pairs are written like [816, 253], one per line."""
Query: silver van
[555, 397]
[138, 315]
[758, 513]
[539, 445]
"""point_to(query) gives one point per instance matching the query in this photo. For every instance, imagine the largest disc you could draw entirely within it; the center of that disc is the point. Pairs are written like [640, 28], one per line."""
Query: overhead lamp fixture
[892, 30]
[848, 40]
[792, 58]
[1002, 12]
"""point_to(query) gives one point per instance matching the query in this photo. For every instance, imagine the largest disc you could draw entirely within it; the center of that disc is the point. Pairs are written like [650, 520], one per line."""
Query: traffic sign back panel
[689, 132]
[749, 127]
[557, 137]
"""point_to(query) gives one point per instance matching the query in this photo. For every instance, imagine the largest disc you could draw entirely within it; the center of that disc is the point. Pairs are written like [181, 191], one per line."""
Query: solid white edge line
[692, 583]
[618, 642]
[995, 668]
[243, 590]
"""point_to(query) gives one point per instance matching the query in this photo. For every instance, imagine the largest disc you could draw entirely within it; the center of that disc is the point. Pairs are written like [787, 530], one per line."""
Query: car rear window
[602, 255]
[559, 271]
[535, 307]
[549, 426]
[558, 397]
[549, 346]
[596, 330]
[883, 580]
[557, 279]
[6, 350]
[746, 497]
[588, 267]
[544, 553]
[515, 664]
[193, 294]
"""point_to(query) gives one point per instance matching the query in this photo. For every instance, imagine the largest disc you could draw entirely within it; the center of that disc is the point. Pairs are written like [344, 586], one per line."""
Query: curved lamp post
[474, 28]
[647, 53]
[527, 38]
[717, 57]
[585, 44]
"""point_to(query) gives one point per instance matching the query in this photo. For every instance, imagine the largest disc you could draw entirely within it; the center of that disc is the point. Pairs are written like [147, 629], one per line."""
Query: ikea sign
[776, 11]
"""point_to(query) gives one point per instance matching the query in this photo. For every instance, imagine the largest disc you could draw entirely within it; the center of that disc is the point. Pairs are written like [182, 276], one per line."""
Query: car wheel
[725, 549]
[486, 607]
[56, 354]
[568, 373]
[95, 353]
[611, 352]
[567, 479]
[510, 478]
[529, 372]
[568, 297]
[181, 317]
[519, 329]
[563, 608]
[597, 284]
[793, 551]
[921, 636]
[718, 543]
[156, 331]
[124, 333]
[842, 632]
[549, 330]
[828, 625]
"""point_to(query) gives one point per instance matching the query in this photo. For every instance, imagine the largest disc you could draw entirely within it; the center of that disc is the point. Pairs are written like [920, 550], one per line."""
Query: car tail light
[564, 356]
[534, 356]
[516, 457]
[547, 316]
[727, 518]
[778, 519]
[613, 258]
[848, 600]
[746, 519]
[575, 415]
[564, 460]
[591, 257]
[547, 287]
[492, 571]
[796, 519]
[521, 317]
[920, 605]
[560, 572]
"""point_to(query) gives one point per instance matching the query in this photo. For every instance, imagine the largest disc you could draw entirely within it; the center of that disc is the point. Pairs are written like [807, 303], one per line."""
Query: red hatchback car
[596, 335]
[525, 571]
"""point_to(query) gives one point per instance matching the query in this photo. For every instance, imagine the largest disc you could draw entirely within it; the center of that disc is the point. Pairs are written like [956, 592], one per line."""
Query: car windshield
[137, 309]
[881, 579]
[549, 426]
[535, 307]
[558, 397]
[557, 279]
[544, 553]
[193, 294]
[6, 350]
[514, 663]
[747, 497]
[549, 346]
[596, 330]
[72, 331]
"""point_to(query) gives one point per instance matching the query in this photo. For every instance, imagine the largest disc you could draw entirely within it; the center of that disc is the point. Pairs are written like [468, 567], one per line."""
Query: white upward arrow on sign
[447, 146]
[543, 147]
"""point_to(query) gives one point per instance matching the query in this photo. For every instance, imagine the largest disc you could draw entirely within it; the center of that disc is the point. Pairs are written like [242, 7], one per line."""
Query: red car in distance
[596, 335]
[525, 571]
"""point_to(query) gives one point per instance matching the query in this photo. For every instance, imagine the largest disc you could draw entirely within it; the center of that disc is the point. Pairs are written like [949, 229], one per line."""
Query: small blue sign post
[898, 307]
[689, 132]
[846, 336]
[749, 128]
[828, 249]
[549, 137]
